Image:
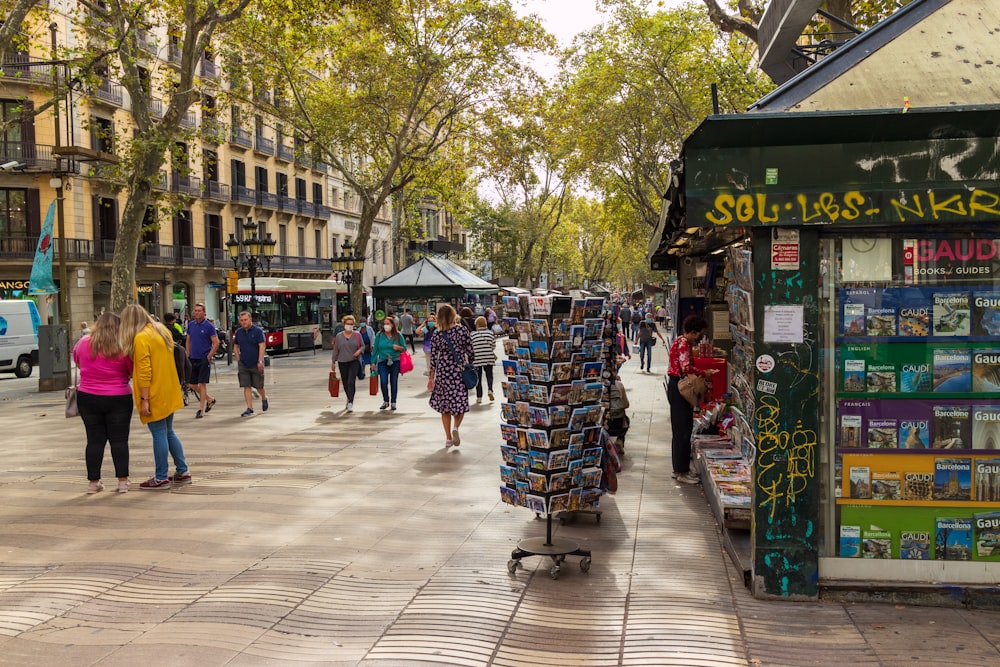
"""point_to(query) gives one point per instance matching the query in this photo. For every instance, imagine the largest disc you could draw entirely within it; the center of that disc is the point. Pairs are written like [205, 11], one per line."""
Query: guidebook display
[918, 422]
[552, 420]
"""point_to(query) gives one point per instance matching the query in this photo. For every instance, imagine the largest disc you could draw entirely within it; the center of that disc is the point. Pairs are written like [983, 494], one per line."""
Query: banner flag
[41, 271]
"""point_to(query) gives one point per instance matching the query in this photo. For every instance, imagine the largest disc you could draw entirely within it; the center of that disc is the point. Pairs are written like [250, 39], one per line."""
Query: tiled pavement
[311, 536]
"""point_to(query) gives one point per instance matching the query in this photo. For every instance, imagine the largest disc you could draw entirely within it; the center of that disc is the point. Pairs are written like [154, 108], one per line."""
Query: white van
[19, 323]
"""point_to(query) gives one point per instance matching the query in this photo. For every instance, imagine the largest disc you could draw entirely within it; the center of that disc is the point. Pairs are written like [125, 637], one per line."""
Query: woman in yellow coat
[157, 391]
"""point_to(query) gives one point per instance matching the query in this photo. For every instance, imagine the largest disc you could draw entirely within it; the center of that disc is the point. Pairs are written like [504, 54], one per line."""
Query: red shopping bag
[334, 385]
[373, 385]
[405, 362]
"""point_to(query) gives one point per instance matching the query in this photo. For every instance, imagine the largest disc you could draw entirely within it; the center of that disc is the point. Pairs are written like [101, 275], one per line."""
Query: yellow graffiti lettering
[724, 205]
[804, 205]
[953, 204]
[852, 205]
[984, 202]
[829, 206]
[917, 209]
[744, 208]
[762, 210]
[786, 462]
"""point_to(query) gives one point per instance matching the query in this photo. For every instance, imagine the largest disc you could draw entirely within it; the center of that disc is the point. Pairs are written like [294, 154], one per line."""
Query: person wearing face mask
[389, 343]
[347, 349]
[427, 330]
[644, 339]
[367, 338]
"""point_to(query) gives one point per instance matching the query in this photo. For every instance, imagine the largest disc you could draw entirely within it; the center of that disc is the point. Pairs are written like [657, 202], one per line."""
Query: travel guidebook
[986, 371]
[860, 481]
[854, 375]
[918, 486]
[986, 535]
[915, 378]
[854, 320]
[914, 545]
[881, 378]
[914, 433]
[988, 480]
[986, 427]
[952, 428]
[850, 430]
[953, 539]
[914, 321]
[985, 314]
[880, 322]
[951, 314]
[952, 370]
[953, 479]
[850, 541]
[885, 486]
[876, 543]
[882, 434]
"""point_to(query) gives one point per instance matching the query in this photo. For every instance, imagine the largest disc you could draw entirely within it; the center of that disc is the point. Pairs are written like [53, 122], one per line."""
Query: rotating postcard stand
[555, 548]
[552, 418]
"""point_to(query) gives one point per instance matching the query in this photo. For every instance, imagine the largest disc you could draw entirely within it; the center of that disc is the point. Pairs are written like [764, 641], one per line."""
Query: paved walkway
[315, 537]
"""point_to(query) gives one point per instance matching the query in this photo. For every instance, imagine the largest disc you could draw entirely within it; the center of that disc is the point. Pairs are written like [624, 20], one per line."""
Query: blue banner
[41, 270]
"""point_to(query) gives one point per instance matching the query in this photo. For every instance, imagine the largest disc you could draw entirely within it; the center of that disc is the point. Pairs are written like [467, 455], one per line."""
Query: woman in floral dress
[448, 394]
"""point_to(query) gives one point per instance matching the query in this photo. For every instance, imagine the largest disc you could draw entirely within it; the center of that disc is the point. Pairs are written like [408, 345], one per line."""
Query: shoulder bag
[71, 407]
[469, 377]
[693, 388]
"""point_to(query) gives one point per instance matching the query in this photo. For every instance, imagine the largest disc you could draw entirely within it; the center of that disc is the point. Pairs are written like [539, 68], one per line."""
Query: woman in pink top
[105, 399]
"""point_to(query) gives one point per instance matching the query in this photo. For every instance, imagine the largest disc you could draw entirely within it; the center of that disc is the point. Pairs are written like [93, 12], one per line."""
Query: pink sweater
[99, 375]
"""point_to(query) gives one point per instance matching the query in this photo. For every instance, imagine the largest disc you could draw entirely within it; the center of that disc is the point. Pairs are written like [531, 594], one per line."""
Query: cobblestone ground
[315, 537]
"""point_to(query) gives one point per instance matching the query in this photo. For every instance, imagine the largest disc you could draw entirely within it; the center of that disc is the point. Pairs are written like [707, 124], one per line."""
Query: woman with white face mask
[347, 347]
[389, 344]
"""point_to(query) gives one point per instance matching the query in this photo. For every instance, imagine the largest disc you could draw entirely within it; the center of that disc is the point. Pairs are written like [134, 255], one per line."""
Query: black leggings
[681, 425]
[489, 379]
[107, 420]
[348, 377]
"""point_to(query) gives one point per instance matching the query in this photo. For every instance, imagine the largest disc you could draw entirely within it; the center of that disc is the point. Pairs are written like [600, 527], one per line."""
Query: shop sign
[765, 363]
[146, 288]
[246, 298]
[14, 284]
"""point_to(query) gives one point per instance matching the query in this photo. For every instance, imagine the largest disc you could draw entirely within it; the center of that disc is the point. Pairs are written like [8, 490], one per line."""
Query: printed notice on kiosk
[783, 324]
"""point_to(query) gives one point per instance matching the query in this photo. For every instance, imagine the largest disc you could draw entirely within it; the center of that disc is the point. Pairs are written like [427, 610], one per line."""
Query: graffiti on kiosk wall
[786, 460]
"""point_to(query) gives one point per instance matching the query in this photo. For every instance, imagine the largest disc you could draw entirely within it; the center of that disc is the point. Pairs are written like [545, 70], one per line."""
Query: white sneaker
[479, 399]
[350, 407]
[455, 438]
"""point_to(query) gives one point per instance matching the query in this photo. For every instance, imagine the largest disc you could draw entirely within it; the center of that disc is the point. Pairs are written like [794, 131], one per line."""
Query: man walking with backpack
[248, 345]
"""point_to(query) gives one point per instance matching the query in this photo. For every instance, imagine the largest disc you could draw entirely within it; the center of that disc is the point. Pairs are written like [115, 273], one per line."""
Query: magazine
[952, 427]
[988, 480]
[860, 481]
[953, 479]
[953, 539]
[882, 434]
[914, 545]
[885, 486]
[951, 314]
[952, 370]
[914, 433]
[986, 535]
[876, 544]
[986, 427]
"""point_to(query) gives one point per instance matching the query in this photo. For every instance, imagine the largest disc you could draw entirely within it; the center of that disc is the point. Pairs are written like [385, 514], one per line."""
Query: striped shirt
[484, 349]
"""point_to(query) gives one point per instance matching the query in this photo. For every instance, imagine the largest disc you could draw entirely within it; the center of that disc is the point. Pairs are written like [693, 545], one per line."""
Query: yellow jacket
[153, 368]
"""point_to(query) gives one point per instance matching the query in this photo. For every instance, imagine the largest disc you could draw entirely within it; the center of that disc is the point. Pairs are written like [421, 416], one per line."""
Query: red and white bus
[290, 310]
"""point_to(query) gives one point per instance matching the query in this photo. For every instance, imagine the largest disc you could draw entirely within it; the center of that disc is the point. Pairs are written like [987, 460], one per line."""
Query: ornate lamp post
[252, 254]
[346, 269]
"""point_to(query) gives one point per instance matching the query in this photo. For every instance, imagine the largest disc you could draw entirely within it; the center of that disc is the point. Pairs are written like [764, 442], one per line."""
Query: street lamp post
[252, 254]
[345, 269]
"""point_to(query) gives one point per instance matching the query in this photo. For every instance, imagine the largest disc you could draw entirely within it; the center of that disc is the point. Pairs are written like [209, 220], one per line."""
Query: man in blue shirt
[248, 344]
[202, 342]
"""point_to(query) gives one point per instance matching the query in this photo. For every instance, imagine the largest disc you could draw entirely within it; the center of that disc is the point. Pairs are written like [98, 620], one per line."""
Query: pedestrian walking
[427, 330]
[84, 329]
[681, 363]
[661, 315]
[367, 339]
[202, 342]
[389, 344]
[406, 326]
[157, 392]
[174, 327]
[468, 318]
[347, 350]
[637, 317]
[644, 339]
[451, 349]
[484, 353]
[248, 346]
[104, 398]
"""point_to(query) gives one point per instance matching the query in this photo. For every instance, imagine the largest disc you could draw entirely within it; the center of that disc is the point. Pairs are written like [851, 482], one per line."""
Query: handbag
[693, 388]
[405, 362]
[361, 370]
[72, 410]
[334, 384]
[469, 377]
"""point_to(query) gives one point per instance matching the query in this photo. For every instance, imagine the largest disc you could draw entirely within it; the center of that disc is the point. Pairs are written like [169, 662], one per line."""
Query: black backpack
[183, 365]
[636, 316]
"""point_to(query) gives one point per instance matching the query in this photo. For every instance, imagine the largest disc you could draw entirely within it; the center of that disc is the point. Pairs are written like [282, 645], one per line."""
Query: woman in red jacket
[681, 363]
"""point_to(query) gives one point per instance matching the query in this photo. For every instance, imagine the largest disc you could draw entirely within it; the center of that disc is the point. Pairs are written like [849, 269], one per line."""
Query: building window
[213, 231]
[282, 184]
[13, 213]
[318, 193]
[301, 234]
[385, 253]
[102, 133]
[283, 240]
[319, 242]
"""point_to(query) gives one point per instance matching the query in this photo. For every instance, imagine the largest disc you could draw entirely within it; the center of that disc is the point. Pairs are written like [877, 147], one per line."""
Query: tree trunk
[130, 229]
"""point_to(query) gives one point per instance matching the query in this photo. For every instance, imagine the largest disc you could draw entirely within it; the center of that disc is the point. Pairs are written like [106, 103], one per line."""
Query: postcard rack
[552, 418]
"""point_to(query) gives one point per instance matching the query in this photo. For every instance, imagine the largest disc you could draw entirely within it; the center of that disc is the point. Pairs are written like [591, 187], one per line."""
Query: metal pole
[252, 266]
[64, 298]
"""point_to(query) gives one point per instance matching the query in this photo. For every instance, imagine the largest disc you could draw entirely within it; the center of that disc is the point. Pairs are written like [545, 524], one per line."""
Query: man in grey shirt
[406, 328]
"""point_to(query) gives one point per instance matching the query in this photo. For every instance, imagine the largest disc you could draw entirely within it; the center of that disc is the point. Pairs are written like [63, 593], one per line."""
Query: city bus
[289, 310]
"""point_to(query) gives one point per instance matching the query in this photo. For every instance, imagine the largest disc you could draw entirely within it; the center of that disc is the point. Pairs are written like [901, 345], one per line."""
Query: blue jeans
[388, 377]
[165, 440]
[645, 350]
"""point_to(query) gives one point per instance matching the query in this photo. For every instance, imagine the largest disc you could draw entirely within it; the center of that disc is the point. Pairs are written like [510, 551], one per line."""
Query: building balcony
[161, 183]
[174, 54]
[108, 91]
[29, 157]
[267, 200]
[216, 191]
[263, 145]
[244, 195]
[189, 185]
[145, 42]
[212, 130]
[240, 137]
[209, 69]
[27, 68]
[286, 204]
[189, 120]
[306, 207]
[285, 153]
[318, 265]
[320, 166]
[156, 109]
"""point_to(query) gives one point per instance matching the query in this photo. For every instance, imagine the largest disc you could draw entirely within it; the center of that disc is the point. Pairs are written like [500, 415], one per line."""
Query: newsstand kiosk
[862, 254]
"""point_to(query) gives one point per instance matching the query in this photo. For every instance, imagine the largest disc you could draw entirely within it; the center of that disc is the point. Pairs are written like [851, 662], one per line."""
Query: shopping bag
[373, 385]
[334, 385]
[693, 388]
[405, 362]
[71, 408]
[469, 377]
